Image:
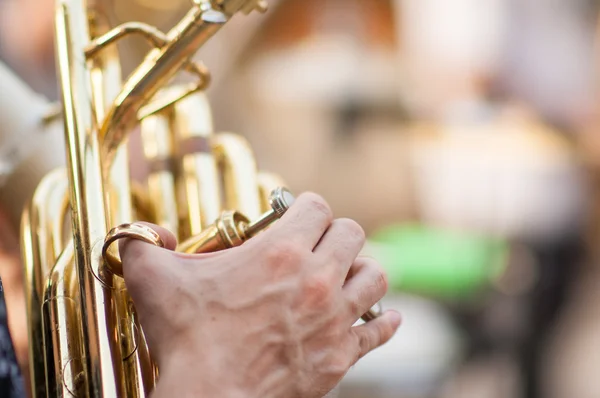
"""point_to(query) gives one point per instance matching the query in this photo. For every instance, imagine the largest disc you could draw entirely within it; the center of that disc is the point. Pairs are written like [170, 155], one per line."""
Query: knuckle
[340, 365]
[365, 343]
[384, 333]
[354, 308]
[352, 228]
[379, 277]
[318, 290]
[318, 204]
[381, 280]
[283, 253]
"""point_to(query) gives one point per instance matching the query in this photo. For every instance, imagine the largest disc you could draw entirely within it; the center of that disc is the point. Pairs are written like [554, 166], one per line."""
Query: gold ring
[126, 231]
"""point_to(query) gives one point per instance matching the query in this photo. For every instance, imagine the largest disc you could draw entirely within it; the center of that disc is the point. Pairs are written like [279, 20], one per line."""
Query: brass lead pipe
[160, 66]
[232, 228]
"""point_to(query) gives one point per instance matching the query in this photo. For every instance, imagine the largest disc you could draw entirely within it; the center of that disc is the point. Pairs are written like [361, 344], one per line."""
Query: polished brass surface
[85, 338]
[225, 233]
[172, 53]
[137, 231]
[41, 244]
[232, 228]
[280, 201]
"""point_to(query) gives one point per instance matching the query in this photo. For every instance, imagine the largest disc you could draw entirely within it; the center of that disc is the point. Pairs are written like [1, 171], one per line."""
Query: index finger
[305, 222]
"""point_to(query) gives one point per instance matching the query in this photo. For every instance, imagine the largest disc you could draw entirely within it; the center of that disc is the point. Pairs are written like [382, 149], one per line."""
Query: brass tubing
[232, 228]
[198, 181]
[158, 150]
[101, 351]
[138, 368]
[62, 336]
[150, 33]
[33, 303]
[40, 247]
[163, 63]
[175, 94]
[225, 233]
[62, 233]
[158, 68]
[240, 176]
[106, 85]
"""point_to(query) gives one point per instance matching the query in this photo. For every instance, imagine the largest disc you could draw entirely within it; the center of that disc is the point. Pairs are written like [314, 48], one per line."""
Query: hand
[271, 318]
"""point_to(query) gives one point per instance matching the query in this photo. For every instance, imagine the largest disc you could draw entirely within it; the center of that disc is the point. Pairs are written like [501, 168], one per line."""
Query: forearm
[189, 374]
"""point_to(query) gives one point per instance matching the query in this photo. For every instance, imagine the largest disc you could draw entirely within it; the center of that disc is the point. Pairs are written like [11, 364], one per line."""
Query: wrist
[173, 385]
[190, 376]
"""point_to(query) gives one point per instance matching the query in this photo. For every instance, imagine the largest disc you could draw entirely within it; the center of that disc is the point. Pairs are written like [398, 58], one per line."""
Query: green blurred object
[442, 264]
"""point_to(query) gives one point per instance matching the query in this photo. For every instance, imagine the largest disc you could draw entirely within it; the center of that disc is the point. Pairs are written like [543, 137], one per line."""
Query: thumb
[129, 247]
[137, 253]
[168, 238]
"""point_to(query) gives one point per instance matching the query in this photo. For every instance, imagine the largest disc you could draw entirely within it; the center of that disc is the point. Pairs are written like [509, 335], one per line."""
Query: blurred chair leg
[559, 266]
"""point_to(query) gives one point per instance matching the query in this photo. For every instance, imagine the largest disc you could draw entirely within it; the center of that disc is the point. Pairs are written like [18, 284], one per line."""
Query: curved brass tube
[240, 176]
[158, 149]
[202, 22]
[63, 352]
[159, 67]
[198, 178]
[41, 243]
[150, 33]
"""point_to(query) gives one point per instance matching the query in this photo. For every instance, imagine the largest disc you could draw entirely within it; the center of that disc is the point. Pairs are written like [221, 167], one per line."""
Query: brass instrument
[85, 339]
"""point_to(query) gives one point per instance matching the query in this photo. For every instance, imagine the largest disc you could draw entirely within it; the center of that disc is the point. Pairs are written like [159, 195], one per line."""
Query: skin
[271, 318]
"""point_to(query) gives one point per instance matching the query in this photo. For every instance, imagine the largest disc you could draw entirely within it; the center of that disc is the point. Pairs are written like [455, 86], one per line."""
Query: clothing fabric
[11, 380]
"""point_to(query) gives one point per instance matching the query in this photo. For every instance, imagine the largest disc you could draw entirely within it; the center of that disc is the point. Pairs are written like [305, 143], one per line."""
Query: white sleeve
[28, 148]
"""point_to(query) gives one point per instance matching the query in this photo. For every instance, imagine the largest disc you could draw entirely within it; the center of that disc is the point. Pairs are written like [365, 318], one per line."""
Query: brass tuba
[84, 337]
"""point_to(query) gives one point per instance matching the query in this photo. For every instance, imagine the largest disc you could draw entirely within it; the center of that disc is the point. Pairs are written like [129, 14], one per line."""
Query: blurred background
[460, 133]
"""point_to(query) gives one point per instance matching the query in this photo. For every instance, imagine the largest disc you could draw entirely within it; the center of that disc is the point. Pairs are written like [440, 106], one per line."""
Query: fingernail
[395, 318]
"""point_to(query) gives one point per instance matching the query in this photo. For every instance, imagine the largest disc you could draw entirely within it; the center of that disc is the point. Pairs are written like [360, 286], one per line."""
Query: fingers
[134, 251]
[305, 222]
[169, 240]
[375, 333]
[341, 244]
[366, 285]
